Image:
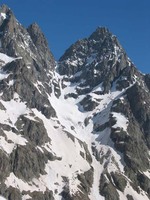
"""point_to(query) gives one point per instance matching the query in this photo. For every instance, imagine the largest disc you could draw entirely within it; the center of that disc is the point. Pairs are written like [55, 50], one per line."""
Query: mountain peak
[8, 22]
[100, 52]
[6, 12]
[4, 8]
[37, 35]
[34, 26]
[100, 33]
[102, 30]
[39, 41]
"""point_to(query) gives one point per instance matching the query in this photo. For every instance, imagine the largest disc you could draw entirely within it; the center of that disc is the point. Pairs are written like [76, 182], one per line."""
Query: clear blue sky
[65, 21]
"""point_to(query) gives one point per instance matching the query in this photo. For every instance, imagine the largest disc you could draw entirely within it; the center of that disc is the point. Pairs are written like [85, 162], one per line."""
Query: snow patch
[2, 198]
[6, 59]
[14, 108]
[147, 173]
[14, 181]
[91, 59]
[3, 16]
[3, 75]
[16, 139]
[11, 82]
[122, 121]
[26, 197]
[6, 146]
[13, 139]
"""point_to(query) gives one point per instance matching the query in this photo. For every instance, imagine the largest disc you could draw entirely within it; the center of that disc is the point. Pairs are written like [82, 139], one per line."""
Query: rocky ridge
[73, 129]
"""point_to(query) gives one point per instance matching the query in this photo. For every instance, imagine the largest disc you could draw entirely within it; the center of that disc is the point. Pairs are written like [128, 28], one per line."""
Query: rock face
[78, 129]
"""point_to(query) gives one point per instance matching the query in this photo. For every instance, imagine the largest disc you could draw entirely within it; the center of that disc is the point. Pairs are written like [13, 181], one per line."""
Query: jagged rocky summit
[74, 129]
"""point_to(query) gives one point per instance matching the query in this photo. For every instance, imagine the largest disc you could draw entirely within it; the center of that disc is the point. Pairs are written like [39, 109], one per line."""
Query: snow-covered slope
[76, 129]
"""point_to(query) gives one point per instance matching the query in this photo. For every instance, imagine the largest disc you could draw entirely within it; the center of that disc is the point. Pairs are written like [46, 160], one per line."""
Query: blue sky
[65, 21]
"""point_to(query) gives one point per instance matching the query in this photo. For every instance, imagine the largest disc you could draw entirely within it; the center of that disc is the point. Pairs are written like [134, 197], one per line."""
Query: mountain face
[74, 129]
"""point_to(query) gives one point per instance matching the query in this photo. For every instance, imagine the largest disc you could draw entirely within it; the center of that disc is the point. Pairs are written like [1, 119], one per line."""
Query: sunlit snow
[13, 109]
[2, 198]
[121, 121]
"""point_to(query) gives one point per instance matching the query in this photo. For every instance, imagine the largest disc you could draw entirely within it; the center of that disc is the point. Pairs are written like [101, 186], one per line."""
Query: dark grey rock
[88, 103]
[97, 154]
[27, 162]
[102, 127]
[33, 131]
[147, 80]
[87, 153]
[139, 103]
[47, 195]
[119, 181]
[73, 95]
[107, 189]
[4, 166]
[2, 107]
[144, 183]
[129, 197]
[40, 42]
[14, 194]
[86, 181]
